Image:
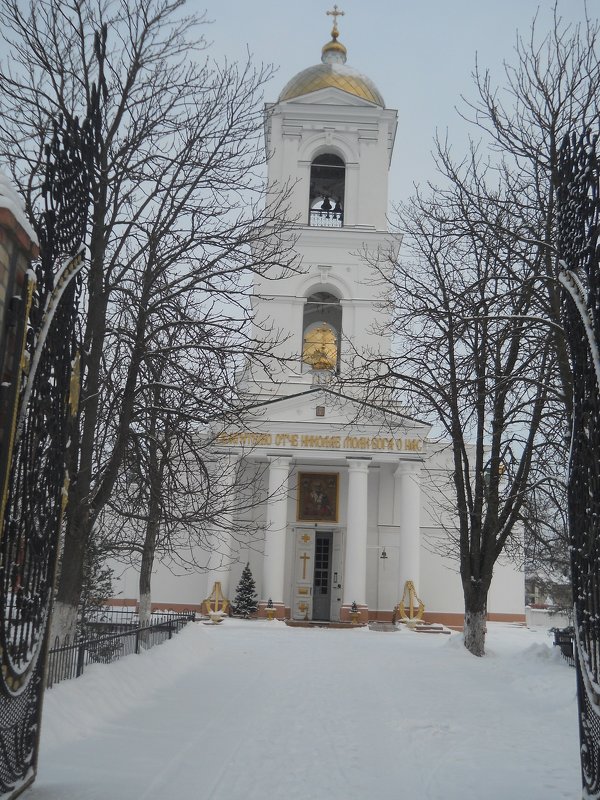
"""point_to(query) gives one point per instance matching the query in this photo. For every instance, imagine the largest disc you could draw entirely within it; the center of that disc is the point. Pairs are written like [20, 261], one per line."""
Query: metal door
[337, 566]
[322, 576]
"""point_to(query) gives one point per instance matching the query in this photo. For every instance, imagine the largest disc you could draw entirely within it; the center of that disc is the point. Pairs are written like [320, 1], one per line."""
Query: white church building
[350, 501]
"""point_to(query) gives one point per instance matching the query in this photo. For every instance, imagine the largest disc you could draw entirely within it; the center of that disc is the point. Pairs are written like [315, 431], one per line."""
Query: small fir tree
[97, 587]
[245, 602]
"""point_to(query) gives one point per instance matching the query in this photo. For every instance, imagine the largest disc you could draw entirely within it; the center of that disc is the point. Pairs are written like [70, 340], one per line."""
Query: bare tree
[174, 498]
[470, 357]
[178, 209]
[476, 302]
[547, 545]
[550, 88]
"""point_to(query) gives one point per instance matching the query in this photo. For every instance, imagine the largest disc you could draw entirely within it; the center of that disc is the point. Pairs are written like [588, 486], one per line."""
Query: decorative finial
[335, 14]
[334, 52]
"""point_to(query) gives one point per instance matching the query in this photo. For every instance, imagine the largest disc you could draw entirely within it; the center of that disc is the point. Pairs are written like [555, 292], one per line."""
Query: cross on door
[304, 557]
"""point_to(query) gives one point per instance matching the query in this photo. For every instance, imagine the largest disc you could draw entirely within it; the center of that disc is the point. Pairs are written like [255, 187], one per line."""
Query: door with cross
[304, 566]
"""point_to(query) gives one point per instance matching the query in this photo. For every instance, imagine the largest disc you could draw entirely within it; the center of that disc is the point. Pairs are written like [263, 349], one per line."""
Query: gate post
[18, 246]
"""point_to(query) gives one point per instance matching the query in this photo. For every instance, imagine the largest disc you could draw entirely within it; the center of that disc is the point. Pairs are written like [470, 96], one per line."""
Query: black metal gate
[578, 229]
[40, 408]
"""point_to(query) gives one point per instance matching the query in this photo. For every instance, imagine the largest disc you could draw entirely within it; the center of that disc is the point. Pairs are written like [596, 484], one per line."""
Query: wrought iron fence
[564, 638]
[38, 413]
[578, 235]
[68, 661]
[115, 619]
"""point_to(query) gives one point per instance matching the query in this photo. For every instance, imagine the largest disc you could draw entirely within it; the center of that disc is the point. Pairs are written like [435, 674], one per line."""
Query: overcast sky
[419, 53]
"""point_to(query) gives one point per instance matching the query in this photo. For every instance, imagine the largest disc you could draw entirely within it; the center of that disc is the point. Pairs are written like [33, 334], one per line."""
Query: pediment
[320, 420]
[331, 96]
[324, 408]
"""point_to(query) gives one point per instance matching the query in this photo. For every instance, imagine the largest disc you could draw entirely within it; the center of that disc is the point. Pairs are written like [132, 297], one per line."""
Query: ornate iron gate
[578, 230]
[32, 475]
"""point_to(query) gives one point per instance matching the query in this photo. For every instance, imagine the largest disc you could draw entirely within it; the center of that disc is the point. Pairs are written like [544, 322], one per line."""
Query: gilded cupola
[332, 72]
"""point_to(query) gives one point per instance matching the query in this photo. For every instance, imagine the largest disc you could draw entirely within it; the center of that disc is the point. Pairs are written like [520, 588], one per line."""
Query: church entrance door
[322, 576]
[317, 589]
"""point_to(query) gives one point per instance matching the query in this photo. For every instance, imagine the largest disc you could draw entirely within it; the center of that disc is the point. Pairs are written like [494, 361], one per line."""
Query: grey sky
[419, 53]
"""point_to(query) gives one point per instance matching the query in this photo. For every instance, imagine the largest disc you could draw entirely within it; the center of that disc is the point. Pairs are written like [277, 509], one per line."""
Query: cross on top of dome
[335, 14]
[334, 52]
[332, 72]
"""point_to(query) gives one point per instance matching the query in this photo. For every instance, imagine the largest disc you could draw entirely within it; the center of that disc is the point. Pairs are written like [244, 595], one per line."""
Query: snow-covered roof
[13, 202]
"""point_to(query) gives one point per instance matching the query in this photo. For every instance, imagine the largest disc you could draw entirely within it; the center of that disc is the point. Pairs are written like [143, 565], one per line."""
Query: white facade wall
[438, 582]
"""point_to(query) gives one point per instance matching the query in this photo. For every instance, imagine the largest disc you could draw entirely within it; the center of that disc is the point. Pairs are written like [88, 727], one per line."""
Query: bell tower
[329, 137]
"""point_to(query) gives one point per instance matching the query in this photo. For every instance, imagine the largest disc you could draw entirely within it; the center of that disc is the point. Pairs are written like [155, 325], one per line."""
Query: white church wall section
[298, 131]
[506, 591]
[333, 260]
[173, 587]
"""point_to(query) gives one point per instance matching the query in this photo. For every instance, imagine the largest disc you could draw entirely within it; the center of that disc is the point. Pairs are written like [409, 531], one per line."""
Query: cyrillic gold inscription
[316, 441]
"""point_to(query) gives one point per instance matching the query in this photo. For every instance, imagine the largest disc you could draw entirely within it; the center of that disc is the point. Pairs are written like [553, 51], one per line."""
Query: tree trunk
[475, 628]
[64, 622]
[146, 572]
[475, 622]
[156, 467]
[145, 604]
[79, 517]
[64, 615]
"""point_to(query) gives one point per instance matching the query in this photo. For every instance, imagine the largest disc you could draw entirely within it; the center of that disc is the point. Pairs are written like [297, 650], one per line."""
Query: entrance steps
[417, 627]
[382, 626]
[428, 627]
[420, 627]
[308, 623]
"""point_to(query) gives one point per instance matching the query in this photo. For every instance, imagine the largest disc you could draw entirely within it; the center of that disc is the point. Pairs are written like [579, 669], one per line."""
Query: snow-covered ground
[260, 711]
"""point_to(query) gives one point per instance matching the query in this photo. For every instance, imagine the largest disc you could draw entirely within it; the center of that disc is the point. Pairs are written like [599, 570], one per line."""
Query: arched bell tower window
[321, 332]
[327, 182]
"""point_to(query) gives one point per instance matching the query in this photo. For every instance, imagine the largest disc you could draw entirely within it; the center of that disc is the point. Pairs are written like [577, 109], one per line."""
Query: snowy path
[260, 711]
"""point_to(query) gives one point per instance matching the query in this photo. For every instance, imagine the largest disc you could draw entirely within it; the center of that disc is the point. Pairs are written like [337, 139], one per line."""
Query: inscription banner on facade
[379, 443]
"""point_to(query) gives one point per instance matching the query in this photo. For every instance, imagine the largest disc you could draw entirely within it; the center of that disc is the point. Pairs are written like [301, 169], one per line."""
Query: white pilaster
[355, 578]
[220, 538]
[407, 515]
[275, 530]
[352, 194]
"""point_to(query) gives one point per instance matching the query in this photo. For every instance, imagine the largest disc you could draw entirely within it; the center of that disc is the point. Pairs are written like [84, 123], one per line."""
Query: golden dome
[334, 47]
[332, 73]
[320, 348]
[336, 76]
